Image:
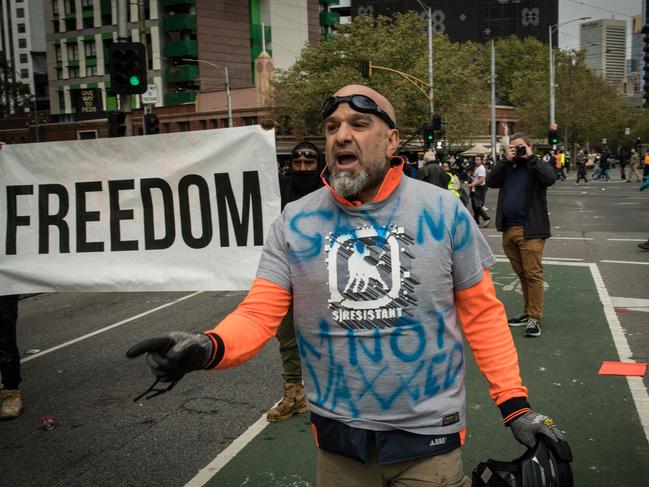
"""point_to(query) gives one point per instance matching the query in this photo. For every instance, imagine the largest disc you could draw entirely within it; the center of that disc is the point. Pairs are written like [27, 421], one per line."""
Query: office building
[474, 20]
[22, 46]
[604, 44]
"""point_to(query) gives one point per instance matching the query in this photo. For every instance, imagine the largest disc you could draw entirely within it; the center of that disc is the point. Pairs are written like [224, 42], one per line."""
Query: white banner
[171, 212]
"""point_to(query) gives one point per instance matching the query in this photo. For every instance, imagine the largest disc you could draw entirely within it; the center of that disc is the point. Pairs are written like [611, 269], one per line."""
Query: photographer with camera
[522, 216]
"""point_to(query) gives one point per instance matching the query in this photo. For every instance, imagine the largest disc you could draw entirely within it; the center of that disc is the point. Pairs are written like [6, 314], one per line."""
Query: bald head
[377, 97]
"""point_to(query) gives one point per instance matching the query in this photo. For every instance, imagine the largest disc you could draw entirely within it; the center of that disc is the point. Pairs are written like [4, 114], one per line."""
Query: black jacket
[434, 174]
[540, 175]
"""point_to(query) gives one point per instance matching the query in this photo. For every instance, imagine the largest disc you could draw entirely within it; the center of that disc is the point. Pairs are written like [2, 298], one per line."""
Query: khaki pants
[525, 257]
[443, 470]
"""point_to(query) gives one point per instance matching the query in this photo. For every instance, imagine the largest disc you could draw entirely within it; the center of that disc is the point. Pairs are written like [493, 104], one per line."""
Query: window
[55, 7]
[59, 73]
[57, 53]
[214, 123]
[73, 72]
[88, 22]
[23, 58]
[90, 48]
[86, 3]
[167, 127]
[183, 126]
[203, 124]
[20, 13]
[73, 51]
[91, 70]
[24, 73]
[250, 120]
[70, 7]
[20, 28]
[62, 101]
[86, 134]
[22, 43]
[224, 123]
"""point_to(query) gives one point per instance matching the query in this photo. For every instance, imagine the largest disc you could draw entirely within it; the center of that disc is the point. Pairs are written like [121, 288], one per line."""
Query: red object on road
[48, 423]
[623, 368]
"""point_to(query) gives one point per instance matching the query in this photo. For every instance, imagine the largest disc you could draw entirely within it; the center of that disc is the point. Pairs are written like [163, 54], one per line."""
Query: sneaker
[293, 402]
[484, 208]
[485, 223]
[644, 246]
[533, 328]
[12, 404]
[518, 320]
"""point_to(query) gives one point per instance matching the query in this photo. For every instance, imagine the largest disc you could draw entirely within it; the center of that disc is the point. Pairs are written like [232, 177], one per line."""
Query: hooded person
[303, 176]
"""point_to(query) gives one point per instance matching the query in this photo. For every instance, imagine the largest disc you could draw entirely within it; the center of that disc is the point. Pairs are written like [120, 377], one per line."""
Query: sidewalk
[560, 368]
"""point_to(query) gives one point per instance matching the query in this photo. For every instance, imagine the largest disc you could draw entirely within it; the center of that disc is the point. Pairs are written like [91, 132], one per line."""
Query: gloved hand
[531, 423]
[172, 356]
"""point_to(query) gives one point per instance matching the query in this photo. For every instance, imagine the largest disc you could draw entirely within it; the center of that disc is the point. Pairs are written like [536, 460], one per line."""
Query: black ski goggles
[359, 103]
[306, 153]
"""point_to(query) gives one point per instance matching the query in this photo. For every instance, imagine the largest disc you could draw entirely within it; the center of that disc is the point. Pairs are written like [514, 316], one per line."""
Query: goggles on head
[306, 153]
[359, 103]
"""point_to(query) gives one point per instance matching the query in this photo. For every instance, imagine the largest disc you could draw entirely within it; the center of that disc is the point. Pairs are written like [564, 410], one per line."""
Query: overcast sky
[597, 9]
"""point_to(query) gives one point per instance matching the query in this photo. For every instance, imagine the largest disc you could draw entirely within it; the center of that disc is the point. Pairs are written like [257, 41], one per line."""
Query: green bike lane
[560, 368]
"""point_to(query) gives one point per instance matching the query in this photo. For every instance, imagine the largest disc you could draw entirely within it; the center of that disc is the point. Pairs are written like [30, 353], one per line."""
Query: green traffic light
[135, 81]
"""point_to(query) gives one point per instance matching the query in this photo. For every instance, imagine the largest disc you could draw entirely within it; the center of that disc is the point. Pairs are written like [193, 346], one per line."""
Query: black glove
[172, 356]
[526, 426]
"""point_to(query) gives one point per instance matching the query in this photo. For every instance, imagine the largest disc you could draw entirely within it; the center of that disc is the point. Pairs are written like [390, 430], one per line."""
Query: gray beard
[346, 184]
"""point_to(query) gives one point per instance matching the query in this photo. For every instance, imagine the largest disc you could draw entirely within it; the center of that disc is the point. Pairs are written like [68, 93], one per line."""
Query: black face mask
[304, 182]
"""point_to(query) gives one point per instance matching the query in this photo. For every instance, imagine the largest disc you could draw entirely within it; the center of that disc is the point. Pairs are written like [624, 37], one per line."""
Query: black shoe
[520, 320]
[644, 246]
[533, 328]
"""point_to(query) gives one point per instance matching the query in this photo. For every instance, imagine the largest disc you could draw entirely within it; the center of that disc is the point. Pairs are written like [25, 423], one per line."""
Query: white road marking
[571, 238]
[623, 262]
[106, 328]
[632, 304]
[205, 474]
[504, 258]
[626, 239]
[636, 386]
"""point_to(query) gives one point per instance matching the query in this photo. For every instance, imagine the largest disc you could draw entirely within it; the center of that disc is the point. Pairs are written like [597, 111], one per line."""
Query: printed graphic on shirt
[370, 283]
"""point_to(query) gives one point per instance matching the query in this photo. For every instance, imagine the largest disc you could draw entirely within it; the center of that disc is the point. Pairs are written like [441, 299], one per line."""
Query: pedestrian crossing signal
[553, 137]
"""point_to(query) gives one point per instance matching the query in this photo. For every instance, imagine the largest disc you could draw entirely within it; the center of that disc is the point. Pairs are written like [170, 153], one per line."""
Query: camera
[521, 151]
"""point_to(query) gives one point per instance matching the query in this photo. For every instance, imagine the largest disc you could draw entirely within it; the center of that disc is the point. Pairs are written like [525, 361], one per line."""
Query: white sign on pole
[150, 96]
[170, 212]
[627, 131]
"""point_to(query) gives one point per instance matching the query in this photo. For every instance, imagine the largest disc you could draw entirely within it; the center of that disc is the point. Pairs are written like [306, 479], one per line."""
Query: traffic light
[437, 123]
[127, 68]
[151, 124]
[366, 69]
[116, 124]
[428, 134]
[553, 137]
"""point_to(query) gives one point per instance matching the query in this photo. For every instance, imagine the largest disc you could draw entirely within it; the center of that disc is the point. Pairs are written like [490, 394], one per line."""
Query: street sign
[150, 96]
[627, 131]
[603, 141]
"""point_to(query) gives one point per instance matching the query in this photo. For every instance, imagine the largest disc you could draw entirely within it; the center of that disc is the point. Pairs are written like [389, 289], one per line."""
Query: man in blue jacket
[522, 216]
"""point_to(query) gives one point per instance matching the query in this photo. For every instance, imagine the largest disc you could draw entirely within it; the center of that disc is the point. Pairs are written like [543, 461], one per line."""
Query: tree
[13, 93]
[400, 43]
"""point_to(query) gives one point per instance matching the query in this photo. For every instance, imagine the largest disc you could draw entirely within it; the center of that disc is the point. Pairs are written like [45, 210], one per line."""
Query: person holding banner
[385, 273]
[11, 402]
[302, 179]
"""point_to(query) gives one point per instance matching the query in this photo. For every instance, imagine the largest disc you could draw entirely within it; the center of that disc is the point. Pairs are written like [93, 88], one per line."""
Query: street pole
[551, 54]
[429, 14]
[227, 94]
[122, 36]
[492, 81]
[227, 84]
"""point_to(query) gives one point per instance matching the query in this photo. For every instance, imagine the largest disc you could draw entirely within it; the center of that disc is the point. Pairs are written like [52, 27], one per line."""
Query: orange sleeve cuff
[246, 330]
[485, 325]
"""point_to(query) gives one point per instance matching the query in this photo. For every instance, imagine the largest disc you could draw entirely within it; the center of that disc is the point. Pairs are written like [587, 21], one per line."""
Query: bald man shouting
[385, 273]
